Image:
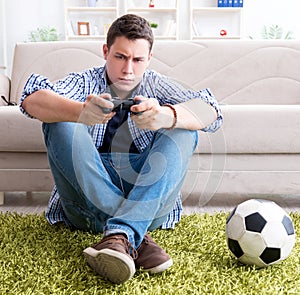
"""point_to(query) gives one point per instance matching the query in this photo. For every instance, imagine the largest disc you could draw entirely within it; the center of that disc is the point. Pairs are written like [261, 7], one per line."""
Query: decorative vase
[151, 3]
[92, 3]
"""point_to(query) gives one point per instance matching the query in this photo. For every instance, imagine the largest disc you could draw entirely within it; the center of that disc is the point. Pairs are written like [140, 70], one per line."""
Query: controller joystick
[121, 105]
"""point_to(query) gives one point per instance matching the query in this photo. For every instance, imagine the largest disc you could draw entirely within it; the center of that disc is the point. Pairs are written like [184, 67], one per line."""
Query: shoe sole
[112, 265]
[160, 268]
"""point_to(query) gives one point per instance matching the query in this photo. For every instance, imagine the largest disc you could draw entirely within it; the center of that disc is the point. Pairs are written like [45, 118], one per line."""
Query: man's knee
[63, 132]
[184, 139]
[58, 127]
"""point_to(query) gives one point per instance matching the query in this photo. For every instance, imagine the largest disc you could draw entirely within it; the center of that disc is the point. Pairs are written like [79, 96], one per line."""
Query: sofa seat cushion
[251, 129]
[255, 129]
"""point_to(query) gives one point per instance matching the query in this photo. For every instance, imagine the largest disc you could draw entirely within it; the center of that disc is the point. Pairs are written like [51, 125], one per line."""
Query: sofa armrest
[19, 133]
[4, 89]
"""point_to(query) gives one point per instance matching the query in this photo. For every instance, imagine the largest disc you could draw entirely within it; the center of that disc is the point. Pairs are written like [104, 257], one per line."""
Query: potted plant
[44, 34]
[153, 25]
[275, 32]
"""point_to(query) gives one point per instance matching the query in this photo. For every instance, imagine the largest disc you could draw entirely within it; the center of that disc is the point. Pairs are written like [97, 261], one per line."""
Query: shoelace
[147, 239]
[130, 249]
[128, 246]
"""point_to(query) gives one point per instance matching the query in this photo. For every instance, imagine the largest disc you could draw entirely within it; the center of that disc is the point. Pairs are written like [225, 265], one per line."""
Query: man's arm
[194, 114]
[48, 106]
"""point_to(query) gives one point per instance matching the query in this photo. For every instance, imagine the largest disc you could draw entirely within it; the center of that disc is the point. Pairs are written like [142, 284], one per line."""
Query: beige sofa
[257, 151]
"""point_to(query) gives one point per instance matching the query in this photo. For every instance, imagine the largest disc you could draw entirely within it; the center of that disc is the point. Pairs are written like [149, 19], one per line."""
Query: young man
[120, 172]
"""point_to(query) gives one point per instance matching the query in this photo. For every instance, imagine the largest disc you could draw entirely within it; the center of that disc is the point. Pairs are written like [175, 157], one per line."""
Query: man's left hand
[152, 115]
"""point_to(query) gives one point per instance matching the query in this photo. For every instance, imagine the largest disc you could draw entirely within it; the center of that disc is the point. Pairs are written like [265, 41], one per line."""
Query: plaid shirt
[78, 86]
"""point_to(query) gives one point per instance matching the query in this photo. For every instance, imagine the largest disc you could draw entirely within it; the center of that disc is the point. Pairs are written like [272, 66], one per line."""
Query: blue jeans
[117, 192]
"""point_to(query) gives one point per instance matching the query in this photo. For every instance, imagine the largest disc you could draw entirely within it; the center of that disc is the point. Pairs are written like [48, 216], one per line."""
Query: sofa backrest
[237, 71]
[53, 60]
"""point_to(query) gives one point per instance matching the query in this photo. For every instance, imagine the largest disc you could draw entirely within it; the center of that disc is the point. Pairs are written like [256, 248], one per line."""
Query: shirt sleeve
[169, 91]
[34, 83]
[72, 86]
[209, 98]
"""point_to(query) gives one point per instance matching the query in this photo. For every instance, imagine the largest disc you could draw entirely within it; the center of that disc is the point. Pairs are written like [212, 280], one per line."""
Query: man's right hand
[92, 112]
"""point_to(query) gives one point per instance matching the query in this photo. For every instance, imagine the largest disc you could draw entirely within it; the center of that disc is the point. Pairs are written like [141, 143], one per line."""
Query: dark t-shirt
[117, 137]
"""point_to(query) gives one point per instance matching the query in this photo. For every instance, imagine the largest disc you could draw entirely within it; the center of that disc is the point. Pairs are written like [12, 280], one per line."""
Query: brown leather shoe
[151, 257]
[112, 258]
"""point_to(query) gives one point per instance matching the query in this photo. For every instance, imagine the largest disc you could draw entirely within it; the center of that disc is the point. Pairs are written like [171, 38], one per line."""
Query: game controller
[121, 105]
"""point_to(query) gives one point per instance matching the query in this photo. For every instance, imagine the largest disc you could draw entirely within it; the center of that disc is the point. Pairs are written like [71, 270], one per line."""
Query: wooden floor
[37, 203]
[25, 203]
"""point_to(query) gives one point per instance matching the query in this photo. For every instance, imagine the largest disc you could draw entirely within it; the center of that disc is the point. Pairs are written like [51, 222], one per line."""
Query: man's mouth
[126, 80]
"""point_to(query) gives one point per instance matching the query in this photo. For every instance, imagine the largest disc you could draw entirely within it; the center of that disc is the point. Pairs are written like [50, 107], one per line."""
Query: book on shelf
[70, 29]
[170, 29]
[222, 3]
[197, 29]
[238, 3]
[230, 3]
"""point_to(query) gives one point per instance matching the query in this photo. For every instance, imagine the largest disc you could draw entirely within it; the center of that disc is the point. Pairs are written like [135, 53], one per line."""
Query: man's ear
[105, 51]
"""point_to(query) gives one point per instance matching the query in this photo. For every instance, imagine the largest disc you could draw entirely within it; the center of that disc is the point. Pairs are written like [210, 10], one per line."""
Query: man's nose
[128, 67]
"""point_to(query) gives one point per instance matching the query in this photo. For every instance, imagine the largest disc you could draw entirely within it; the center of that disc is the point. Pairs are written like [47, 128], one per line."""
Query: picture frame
[83, 28]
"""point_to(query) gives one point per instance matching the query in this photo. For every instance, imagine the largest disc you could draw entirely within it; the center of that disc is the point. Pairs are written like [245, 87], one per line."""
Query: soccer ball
[259, 232]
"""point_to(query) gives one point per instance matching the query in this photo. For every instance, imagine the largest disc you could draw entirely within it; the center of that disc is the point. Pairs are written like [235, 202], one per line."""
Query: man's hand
[92, 112]
[153, 116]
[193, 114]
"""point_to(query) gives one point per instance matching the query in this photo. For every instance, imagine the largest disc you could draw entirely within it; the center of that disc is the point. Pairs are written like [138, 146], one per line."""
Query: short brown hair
[132, 27]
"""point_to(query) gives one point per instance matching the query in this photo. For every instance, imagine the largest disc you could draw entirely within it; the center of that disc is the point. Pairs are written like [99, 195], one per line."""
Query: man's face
[126, 61]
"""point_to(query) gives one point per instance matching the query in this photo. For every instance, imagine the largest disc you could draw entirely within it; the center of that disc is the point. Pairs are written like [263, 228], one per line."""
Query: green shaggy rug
[37, 258]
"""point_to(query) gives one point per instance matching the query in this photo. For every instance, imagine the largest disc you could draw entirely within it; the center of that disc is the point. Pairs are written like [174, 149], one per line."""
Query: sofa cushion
[19, 133]
[248, 129]
[255, 129]
[247, 72]
[53, 60]
[237, 72]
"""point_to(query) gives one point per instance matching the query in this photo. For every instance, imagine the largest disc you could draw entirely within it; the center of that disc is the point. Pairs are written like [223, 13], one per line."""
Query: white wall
[23, 16]
[258, 13]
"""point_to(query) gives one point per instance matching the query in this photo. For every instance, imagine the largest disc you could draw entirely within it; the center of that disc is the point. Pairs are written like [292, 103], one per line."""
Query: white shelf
[97, 19]
[199, 19]
[90, 9]
[164, 13]
[221, 10]
[157, 3]
[152, 10]
[208, 21]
